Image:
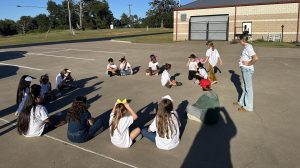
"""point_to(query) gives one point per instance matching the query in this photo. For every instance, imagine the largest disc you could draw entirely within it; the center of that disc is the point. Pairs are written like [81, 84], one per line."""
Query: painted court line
[81, 148]
[57, 56]
[20, 66]
[48, 52]
[96, 51]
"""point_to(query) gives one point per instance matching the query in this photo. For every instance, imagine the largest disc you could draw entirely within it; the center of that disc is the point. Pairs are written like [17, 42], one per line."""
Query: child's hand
[246, 63]
[126, 105]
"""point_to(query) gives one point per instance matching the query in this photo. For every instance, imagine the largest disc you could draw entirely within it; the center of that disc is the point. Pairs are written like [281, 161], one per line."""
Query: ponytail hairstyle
[211, 45]
[168, 66]
[244, 37]
[77, 109]
[30, 104]
[21, 89]
[23, 120]
[120, 111]
[164, 122]
[44, 79]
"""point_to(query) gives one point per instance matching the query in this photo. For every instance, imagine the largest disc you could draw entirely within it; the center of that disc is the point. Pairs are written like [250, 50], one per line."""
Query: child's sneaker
[148, 74]
[16, 113]
[191, 117]
[214, 82]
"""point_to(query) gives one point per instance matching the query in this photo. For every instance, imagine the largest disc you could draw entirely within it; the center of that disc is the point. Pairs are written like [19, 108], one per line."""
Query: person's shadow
[136, 69]
[235, 79]
[182, 115]
[211, 147]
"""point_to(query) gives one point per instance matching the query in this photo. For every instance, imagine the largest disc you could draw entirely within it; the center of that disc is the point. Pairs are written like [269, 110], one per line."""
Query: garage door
[209, 27]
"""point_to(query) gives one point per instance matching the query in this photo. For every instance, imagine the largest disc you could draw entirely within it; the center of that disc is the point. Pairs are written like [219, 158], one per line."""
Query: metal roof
[201, 4]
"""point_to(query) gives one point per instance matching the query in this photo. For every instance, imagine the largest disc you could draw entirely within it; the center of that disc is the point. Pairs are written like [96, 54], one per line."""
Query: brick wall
[265, 19]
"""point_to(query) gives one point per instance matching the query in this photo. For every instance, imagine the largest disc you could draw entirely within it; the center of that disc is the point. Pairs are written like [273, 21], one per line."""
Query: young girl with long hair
[121, 118]
[82, 127]
[34, 121]
[164, 130]
[213, 57]
[23, 92]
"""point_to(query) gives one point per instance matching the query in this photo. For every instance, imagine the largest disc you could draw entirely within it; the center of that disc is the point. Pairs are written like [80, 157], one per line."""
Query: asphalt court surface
[268, 137]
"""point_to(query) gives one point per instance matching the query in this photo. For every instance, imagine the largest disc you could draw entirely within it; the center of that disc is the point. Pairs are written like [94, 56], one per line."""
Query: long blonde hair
[164, 122]
[120, 111]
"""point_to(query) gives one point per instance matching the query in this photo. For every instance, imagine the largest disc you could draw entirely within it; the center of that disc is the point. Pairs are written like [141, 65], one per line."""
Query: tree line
[89, 14]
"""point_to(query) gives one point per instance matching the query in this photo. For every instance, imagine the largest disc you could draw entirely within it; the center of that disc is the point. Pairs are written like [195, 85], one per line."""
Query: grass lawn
[260, 43]
[63, 35]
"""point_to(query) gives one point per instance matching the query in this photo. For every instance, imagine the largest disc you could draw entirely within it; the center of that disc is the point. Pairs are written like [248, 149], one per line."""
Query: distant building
[226, 19]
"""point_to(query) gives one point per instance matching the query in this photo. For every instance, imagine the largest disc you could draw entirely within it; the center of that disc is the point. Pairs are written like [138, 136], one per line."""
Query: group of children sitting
[123, 70]
[34, 120]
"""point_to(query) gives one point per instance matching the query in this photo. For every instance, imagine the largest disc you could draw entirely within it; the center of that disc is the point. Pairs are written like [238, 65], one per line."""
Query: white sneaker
[147, 74]
[16, 113]
[191, 117]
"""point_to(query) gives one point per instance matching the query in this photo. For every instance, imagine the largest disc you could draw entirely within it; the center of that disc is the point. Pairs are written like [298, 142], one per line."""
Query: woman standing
[247, 60]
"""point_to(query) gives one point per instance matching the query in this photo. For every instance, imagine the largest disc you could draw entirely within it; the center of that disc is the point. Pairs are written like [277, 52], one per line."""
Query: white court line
[57, 56]
[110, 52]
[20, 66]
[53, 51]
[78, 147]
[96, 51]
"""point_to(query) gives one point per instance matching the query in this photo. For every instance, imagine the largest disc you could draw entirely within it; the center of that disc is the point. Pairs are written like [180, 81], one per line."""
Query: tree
[8, 27]
[42, 22]
[25, 24]
[125, 20]
[162, 10]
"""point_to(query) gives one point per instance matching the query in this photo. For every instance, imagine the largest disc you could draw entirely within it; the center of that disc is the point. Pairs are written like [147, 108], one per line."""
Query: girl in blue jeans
[82, 127]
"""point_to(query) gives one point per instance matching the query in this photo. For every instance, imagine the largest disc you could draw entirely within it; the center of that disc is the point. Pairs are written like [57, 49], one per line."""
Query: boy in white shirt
[153, 67]
[166, 78]
[193, 66]
[111, 68]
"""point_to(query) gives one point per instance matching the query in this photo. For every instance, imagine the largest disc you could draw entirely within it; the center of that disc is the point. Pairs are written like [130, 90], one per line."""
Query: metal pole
[80, 14]
[297, 37]
[130, 14]
[176, 25]
[234, 22]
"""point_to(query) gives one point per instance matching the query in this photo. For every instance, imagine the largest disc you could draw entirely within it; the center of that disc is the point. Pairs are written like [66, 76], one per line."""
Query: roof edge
[226, 6]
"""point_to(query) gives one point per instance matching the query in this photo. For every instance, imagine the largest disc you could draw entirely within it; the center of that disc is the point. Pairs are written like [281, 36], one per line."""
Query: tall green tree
[42, 22]
[8, 27]
[25, 24]
[162, 10]
[125, 20]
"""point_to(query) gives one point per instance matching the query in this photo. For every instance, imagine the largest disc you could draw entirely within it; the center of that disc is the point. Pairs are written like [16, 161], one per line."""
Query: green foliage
[161, 13]
[8, 27]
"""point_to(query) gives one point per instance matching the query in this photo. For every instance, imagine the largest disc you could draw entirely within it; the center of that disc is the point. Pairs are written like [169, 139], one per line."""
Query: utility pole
[69, 11]
[130, 21]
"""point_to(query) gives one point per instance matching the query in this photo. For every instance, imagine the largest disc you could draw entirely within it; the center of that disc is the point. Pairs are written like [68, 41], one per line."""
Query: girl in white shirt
[34, 121]
[202, 73]
[125, 67]
[111, 68]
[213, 57]
[153, 67]
[164, 130]
[121, 118]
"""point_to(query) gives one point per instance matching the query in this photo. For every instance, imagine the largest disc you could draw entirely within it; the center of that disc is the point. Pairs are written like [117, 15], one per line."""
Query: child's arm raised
[132, 113]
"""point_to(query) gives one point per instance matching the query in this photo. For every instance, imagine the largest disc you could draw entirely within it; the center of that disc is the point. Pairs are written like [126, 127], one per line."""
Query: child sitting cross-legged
[153, 67]
[164, 130]
[121, 119]
[111, 68]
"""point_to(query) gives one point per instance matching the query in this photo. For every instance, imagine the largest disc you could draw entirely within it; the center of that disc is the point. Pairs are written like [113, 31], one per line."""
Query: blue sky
[9, 10]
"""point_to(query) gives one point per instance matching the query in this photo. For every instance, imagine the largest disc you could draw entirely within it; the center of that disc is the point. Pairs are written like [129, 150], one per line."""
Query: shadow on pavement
[181, 110]
[82, 40]
[211, 146]
[236, 80]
